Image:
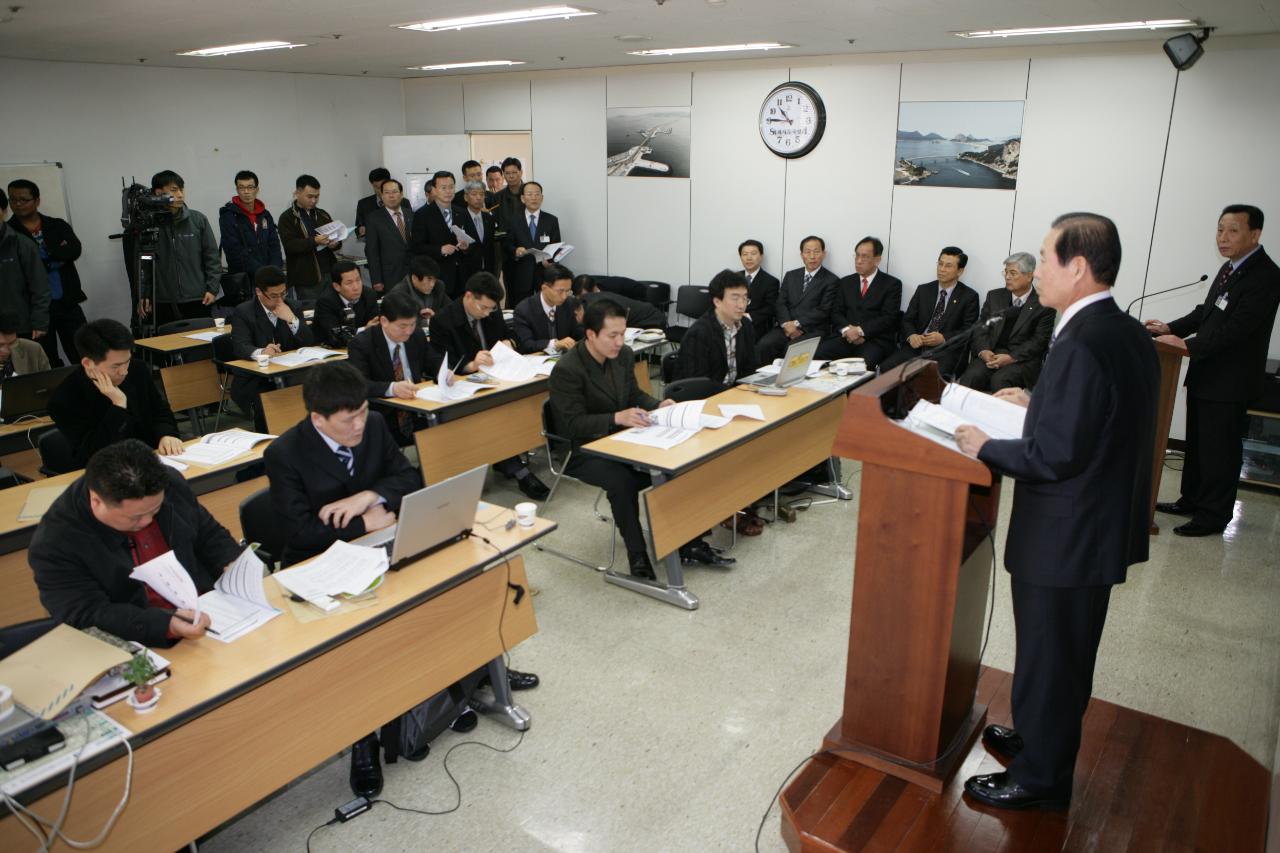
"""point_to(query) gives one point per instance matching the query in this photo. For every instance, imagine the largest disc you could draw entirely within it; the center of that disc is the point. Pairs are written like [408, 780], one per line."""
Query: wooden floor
[1141, 783]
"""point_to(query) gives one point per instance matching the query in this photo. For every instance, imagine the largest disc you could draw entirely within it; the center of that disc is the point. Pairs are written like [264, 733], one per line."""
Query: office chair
[550, 441]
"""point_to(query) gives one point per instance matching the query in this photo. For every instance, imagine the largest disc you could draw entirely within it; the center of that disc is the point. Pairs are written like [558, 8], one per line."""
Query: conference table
[708, 478]
[277, 373]
[177, 346]
[238, 721]
[22, 434]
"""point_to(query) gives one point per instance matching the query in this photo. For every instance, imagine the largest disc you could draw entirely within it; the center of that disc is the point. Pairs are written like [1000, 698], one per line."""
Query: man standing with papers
[594, 393]
[1080, 507]
[128, 508]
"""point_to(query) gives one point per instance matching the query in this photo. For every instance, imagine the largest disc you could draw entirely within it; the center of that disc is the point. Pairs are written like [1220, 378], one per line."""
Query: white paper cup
[526, 512]
[219, 322]
[264, 361]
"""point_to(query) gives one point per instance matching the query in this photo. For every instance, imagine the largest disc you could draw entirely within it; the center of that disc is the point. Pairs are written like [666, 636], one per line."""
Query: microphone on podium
[1202, 278]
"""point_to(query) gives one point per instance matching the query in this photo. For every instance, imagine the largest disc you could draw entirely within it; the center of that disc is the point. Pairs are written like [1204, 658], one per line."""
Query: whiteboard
[412, 160]
[48, 177]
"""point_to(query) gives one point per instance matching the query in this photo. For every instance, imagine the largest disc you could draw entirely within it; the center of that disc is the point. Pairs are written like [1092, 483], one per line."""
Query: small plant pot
[144, 699]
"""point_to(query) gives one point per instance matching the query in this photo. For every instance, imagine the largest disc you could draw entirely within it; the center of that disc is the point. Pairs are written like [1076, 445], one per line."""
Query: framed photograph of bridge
[647, 142]
[973, 144]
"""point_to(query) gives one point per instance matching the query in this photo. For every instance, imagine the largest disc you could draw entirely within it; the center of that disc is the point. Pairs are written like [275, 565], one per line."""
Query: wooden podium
[1170, 368]
[921, 579]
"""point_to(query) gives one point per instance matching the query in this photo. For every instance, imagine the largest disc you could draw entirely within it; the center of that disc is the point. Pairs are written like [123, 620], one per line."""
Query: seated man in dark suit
[593, 393]
[346, 307]
[864, 317]
[424, 288]
[531, 228]
[938, 310]
[336, 475]
[804, 302]
[127, 509]
[106, 402]
[268, 324]
[463, 332]
[640, 315]
[762, 285]
[392, 356]
[544, 321]
[721, 344]
[1009, 353]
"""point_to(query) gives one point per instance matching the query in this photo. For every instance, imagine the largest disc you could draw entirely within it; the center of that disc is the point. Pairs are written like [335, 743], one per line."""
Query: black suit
[523, 274]
[533, 327]
[305, 475]
[1228, 351]
[387, 251]
[90, 421]
[431, 233]
[960, 313]
[251, 330]
[453, 335]
[1023, 335]
[810, 307]
[331, 310]
[877, 314]
[365, 208]
[703, 351]
[483, 254]
[369, 353]
[762, 307]
[1080, 513]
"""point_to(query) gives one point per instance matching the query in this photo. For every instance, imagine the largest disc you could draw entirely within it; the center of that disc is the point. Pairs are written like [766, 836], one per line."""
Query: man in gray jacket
[188, 269]
[24, 287]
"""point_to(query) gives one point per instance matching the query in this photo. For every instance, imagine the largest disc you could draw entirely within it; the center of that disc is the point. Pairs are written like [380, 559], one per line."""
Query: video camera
[141, 210]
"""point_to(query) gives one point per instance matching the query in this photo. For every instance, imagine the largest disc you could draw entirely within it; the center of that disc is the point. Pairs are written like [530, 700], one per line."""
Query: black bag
[422, 723]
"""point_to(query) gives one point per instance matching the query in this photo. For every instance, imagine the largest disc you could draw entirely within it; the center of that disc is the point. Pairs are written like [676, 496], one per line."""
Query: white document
[170, 580]
[206, 336]
[342, 569]
[542, 364]
[959, 405]
[686, 416]
[464, 239]
[218, 448]
[172, 462]
[751, 411]
[238, 603]
[442, 391]
[335, 231]
[304, 355]
[509, 365]
[554, 252]
[661, 437]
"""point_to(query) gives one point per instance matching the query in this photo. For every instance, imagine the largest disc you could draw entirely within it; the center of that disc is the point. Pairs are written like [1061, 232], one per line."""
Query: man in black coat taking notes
[545, 321]
[1080, 507]
[394, 355]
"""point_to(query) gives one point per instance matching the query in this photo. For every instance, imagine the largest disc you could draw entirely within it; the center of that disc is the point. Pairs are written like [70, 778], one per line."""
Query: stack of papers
[344, 569]
[236, 605]
[335, 231]
[305, 354]
[554, 252]
[209, 335]
[672, 425]
[509, 365]
[464, 239]
[542, 364]
[217, 448]
[959, 405]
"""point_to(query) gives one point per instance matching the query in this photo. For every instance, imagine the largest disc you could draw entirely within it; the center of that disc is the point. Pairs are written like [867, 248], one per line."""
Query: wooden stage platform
[1142, 783]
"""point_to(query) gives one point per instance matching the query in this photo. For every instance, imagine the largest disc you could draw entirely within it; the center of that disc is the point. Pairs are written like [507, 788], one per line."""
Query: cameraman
[346, 307]
[187, 267]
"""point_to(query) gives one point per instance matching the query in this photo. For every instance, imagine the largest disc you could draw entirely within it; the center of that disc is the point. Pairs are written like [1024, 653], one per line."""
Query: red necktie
[865, 285]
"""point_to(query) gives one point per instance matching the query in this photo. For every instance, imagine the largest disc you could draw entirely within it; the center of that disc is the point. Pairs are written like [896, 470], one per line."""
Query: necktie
[551, 315]
[808, 277]
[403, 419]
[533, 228]
[448, 217]
[865, 285]
[750, 278]
[479, 223]
[400, 224]
[475, 326]
[937, 312]
[7, 370]
[1017, 302]
[1220, 282]
[347, 458]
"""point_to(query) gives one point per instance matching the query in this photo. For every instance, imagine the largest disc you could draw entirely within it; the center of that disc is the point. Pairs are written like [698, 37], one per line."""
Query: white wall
[105, 121]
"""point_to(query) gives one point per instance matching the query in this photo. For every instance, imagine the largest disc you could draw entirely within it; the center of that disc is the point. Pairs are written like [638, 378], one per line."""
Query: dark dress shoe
[698, 551]
[465, 722]
[1002, 740]
[418, 754]
[533, 488]
[1193, 529]
[366, 769]
[1002, 792]
[522, 680]
[642, 568]
[1175, 508]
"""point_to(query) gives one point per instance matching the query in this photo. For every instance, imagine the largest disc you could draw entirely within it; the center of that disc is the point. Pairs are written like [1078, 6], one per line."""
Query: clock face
[792, 119]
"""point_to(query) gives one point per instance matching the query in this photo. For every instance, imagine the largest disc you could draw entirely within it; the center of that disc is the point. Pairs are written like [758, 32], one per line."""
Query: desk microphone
[1170, 290]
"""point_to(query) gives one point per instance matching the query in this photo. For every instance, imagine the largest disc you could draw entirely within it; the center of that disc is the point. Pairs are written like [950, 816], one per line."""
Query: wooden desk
[21, 435]
[275, 372]
[240, 720]
[177, 346]
[711, 476]
[15, 533]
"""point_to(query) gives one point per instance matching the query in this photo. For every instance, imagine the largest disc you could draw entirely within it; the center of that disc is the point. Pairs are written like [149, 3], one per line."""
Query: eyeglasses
[17, 199]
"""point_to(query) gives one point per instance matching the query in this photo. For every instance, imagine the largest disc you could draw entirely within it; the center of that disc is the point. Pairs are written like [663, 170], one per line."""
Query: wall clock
[792, 119]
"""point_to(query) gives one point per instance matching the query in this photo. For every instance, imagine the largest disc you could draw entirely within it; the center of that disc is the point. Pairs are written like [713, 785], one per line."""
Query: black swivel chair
[223, 351]
[55, 453]
[554, 442]
[15, 637]
[692, 301]
[692, 388]
[189, 325]
[260, 524]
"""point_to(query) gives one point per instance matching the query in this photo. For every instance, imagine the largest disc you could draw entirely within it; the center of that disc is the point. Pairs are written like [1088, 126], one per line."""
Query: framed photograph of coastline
[972, 144]
[647, 142]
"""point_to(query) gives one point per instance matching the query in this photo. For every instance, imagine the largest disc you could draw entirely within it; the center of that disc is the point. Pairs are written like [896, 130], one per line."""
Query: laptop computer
[795, 365]
[29, 393]
[431, 518]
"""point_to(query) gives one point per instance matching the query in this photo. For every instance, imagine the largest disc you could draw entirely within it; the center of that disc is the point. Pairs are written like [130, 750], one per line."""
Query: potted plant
[139, 671]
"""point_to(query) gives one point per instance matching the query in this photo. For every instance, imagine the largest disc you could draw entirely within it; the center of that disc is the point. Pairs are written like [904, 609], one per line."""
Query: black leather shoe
[1175, 508]
[522, 680]
[465, 722]
[419, 754]
[1002, 740]
[1002, 792]
[366, 769]
[698, 551]
[642, 568]
[533, 488]
[1193, 529]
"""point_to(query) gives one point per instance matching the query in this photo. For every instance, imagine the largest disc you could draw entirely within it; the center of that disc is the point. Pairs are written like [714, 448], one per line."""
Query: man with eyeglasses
[804, 302]
[545, 321]
[1009, 353]
[720, 345]
[533, 228]
[268, 324]
[465, 331]
[106, 402]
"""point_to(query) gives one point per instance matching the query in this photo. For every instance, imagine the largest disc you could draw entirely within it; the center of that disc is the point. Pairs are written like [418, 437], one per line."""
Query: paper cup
[264, 361]
[526, 513]
[219, 323]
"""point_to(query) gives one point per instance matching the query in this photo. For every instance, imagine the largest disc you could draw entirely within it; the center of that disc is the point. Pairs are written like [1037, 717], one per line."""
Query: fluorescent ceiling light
[453, 65]
[1080, 28]
[541, 13]
[248, 47]
[717, 48]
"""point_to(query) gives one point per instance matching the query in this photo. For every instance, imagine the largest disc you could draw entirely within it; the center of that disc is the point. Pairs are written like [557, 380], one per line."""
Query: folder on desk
[38, 502]
[47, 674]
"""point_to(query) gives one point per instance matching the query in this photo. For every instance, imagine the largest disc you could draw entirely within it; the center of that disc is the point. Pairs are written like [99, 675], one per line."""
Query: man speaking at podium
[1080, 507]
